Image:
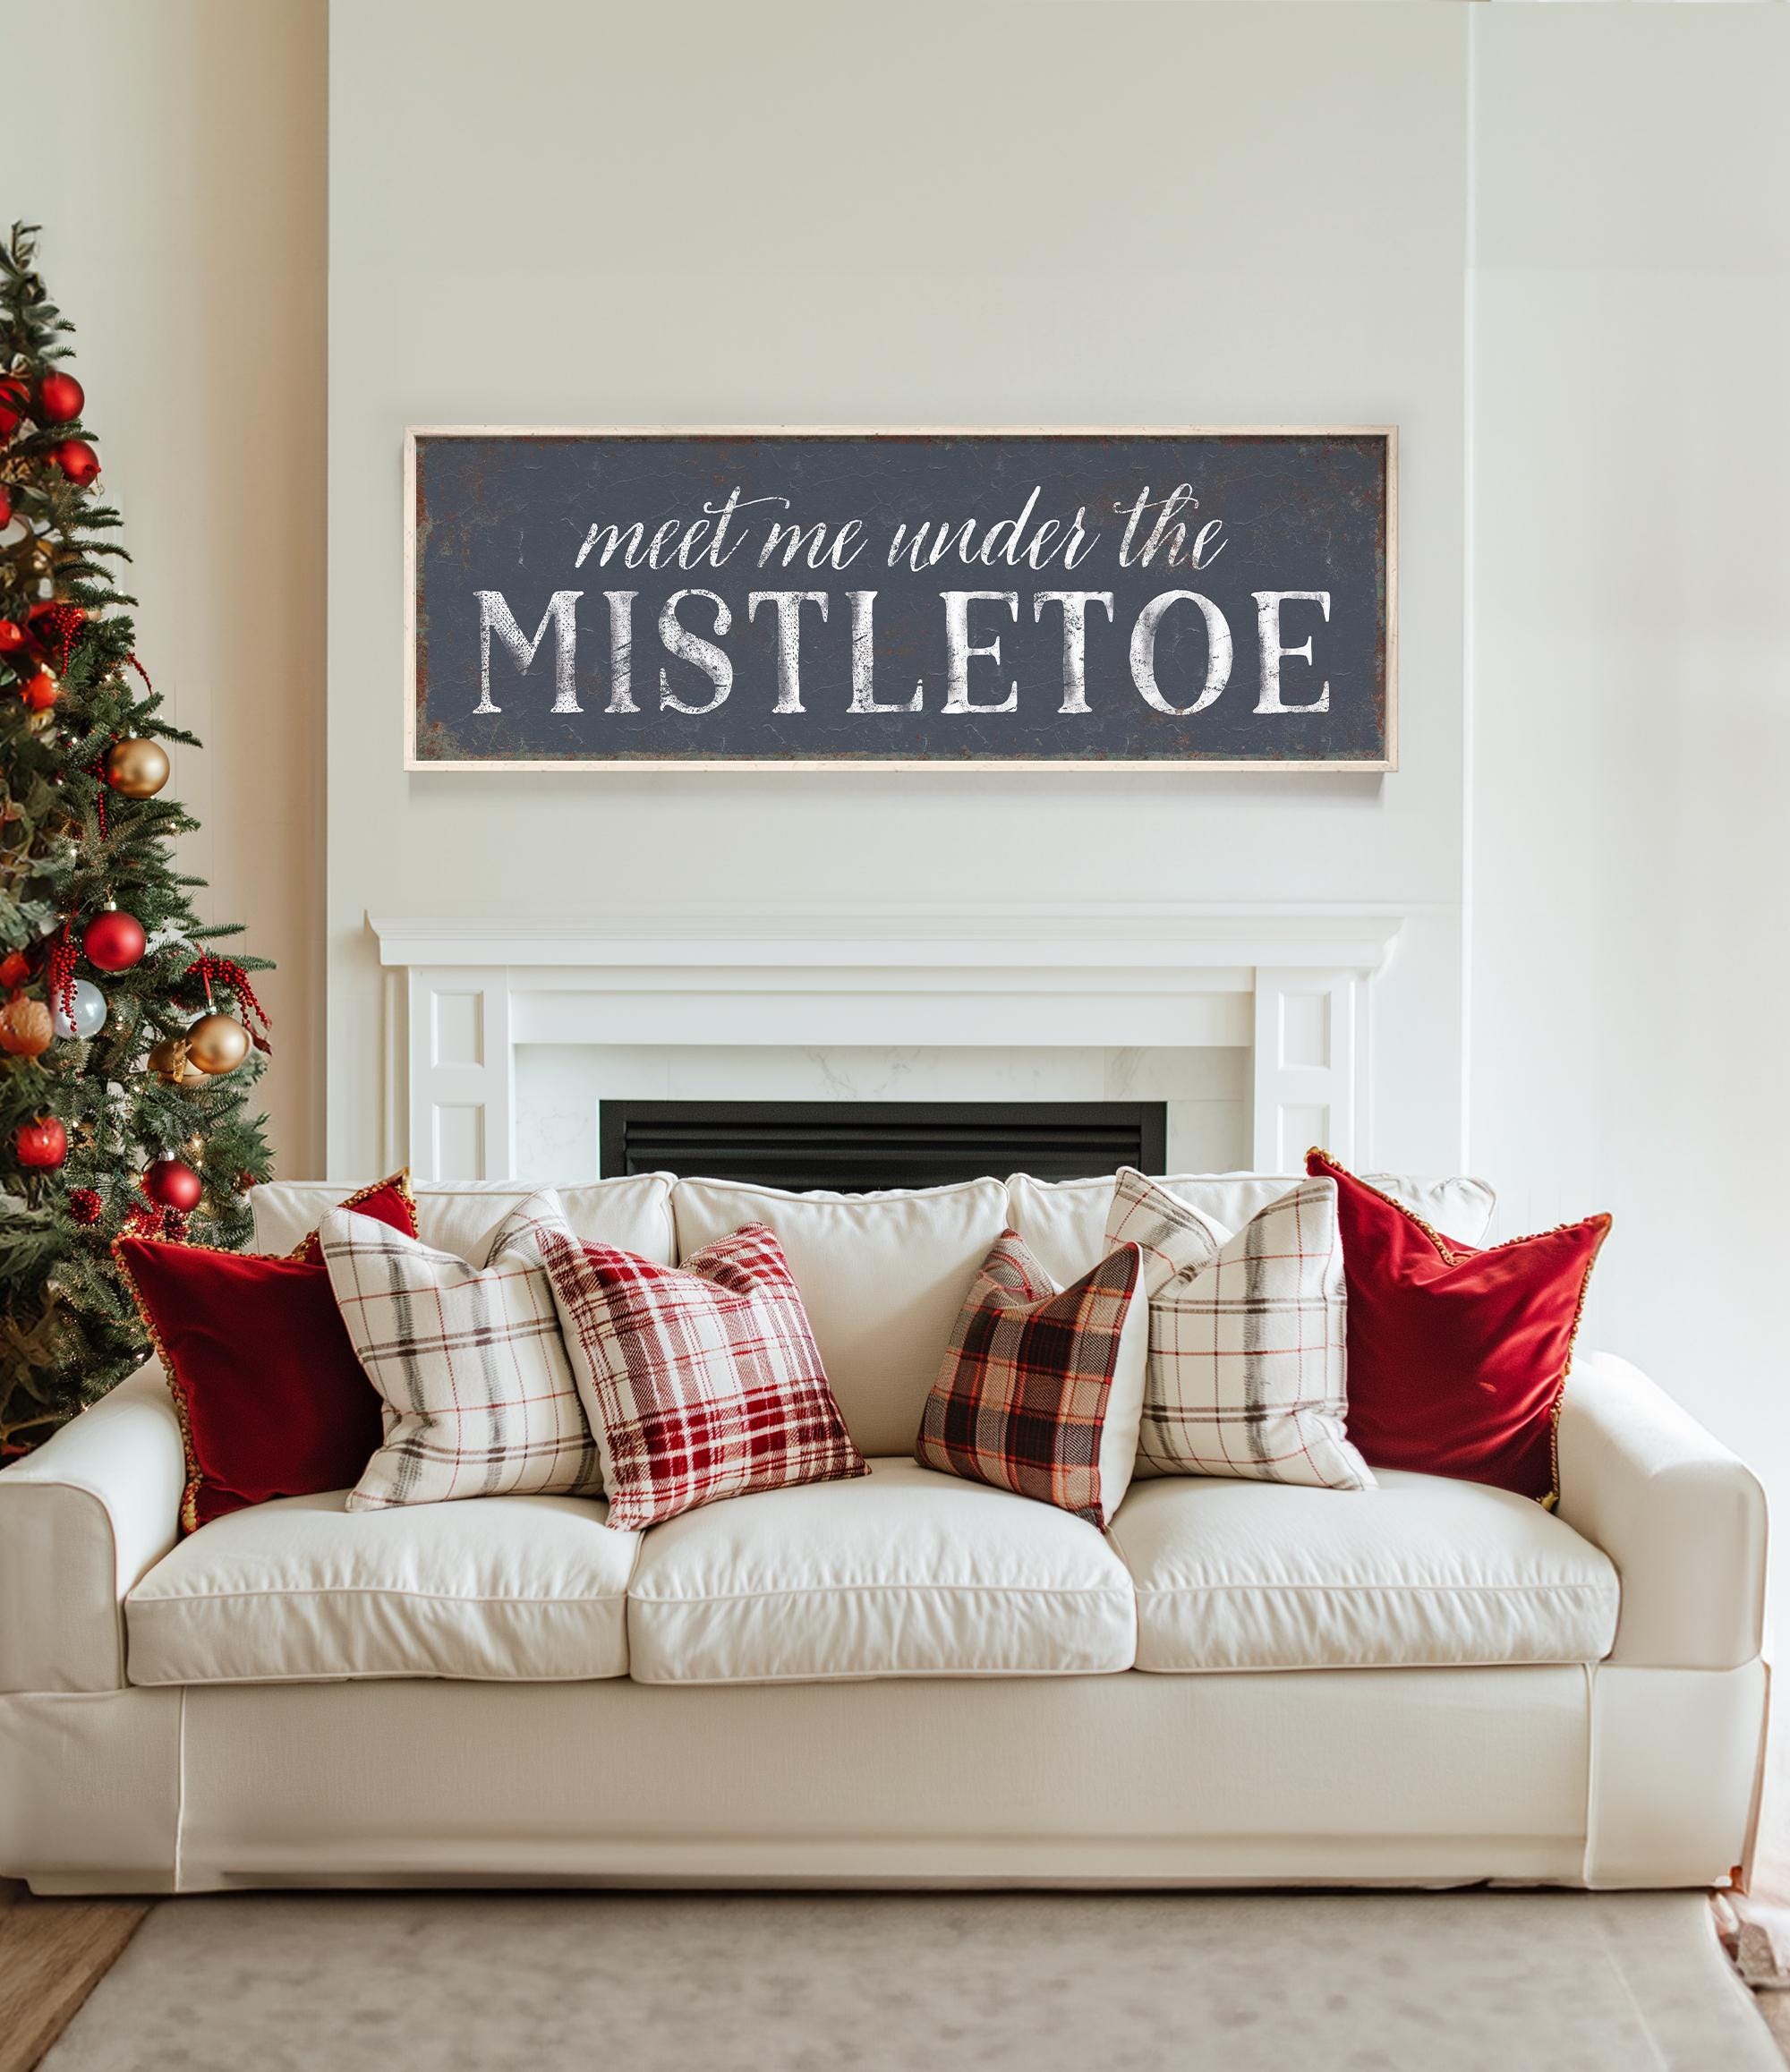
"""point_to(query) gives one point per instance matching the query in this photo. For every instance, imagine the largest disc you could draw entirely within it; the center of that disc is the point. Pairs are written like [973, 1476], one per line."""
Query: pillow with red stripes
[700, 1381]
[1042, 1388]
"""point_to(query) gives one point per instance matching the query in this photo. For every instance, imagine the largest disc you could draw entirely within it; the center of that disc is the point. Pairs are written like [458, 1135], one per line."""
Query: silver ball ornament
[89, 1015]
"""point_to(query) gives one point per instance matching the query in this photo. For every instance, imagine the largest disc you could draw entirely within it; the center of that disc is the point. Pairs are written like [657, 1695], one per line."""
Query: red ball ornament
[174, 1184]
[5, 507]
[11, 637]
[78, 461]
[60, 397]
[42, 1143]
[40, 694]
[86, 1205]
[13, 397]
[15, 969]
[114, 941]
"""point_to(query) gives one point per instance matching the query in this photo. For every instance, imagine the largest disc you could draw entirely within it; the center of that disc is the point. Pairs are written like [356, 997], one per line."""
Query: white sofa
[911, 1680]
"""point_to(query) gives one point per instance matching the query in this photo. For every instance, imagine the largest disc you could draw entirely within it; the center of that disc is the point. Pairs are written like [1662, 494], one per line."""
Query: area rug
[1472, 1982]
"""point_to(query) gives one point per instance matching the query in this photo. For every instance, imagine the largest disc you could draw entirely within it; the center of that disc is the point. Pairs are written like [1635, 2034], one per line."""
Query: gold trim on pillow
[399, 1181]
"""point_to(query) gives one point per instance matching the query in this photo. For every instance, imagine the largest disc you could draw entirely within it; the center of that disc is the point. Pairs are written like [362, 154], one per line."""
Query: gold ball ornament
[25, 1027]
[169, 1063]
[137, 767]
[216, 1043]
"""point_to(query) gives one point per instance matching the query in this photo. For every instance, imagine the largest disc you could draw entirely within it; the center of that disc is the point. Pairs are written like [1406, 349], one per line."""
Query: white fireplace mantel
[1291, 984]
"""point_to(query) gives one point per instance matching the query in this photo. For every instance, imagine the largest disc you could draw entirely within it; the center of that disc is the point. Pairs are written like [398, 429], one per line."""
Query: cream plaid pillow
[479, 1398]
[1247, 1375]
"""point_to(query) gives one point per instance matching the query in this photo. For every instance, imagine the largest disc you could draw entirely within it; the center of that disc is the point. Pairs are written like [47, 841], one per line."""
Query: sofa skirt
[1601, 1777]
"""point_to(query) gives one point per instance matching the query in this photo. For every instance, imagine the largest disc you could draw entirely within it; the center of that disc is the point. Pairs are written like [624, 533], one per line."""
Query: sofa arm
[80, 1520]
[1682, 1520]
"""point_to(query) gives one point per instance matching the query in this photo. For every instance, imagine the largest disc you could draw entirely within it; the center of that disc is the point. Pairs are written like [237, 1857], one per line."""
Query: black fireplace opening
[852, 1146]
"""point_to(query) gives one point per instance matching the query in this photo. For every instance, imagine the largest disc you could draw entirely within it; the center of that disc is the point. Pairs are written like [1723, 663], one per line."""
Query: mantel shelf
[1138, 936]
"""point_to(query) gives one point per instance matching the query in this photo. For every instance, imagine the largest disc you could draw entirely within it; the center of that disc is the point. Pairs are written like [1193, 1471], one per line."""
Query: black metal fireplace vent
[854, 1146]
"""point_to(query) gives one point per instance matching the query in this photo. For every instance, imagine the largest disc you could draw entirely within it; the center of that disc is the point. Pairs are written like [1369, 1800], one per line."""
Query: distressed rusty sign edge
[1206, 766]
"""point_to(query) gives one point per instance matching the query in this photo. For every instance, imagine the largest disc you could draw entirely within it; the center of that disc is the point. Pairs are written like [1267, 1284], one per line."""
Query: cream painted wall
[979, 213]
[1630, 547]
[186, 240]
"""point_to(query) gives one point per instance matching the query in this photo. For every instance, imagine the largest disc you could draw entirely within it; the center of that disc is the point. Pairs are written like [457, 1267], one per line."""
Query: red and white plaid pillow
[700, 1381]
[1042, 1388]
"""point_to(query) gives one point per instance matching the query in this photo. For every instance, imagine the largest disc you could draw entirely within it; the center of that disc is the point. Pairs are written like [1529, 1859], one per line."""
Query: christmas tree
[128, 1046]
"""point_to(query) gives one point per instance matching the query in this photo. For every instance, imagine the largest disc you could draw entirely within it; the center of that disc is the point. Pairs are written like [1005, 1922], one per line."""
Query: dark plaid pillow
[1042, 1388]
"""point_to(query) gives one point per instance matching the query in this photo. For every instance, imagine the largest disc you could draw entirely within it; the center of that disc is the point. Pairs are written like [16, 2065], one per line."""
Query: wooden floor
[53, 1953]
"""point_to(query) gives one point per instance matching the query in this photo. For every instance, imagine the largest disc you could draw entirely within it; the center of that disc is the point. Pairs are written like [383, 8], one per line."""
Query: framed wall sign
[689, 599]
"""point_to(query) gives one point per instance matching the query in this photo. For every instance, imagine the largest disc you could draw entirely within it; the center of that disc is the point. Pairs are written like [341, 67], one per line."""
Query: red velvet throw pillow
[271, 1400]
[1457, 1357]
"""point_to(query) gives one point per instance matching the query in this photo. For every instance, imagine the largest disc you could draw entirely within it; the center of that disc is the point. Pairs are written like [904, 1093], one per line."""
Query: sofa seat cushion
[1420, 1573]
[908, 1574]
[492, 1588]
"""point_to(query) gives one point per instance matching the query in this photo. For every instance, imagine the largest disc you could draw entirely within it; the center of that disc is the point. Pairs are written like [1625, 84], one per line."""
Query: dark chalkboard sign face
[603, 598]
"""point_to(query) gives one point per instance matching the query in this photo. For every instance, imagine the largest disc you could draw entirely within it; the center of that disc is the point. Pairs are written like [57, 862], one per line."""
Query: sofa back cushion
[1063, 1222]
[883, 1277]
[462, 1216]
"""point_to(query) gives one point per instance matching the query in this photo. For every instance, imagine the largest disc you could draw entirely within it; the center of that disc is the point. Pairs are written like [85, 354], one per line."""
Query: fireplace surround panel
[1291, 984]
